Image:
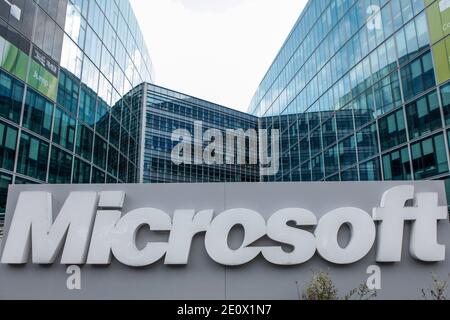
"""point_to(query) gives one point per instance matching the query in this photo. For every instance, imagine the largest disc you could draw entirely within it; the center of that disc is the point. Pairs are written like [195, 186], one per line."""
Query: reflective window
[68, 92]
[350, 174]
[102, 119]
[98, 176]
[113, 159]
[347, 152]
[114, 133]
[38, 114]
[33, 157]
[331, 160]
[317, 168]
[392, 130]
[424, 115]
[367, 142]
[429, 157]
[370, 170]
[364, 108]
[87, 107]
[396, 165]
[64, 129]
[445, 94]
[5, 181]
[11, 95]
[49, 36]
[100, 152]
[329, 132]
[418, 76]
[81, 171]
[72, 57]
[85, 140]
[306, 171]
[387, 94]
[60, 170]
[8, 144]
[344, 120]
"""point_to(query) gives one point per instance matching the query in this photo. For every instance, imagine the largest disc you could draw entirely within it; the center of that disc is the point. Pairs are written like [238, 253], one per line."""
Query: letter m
[32, 228]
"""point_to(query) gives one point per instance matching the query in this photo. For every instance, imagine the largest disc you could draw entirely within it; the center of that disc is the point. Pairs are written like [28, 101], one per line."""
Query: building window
[8, 144]
[11, 95]
[317, 168]
[68, 92]
[102, 119]
[347, 152]
[331, 160]
[64, 130]
[113, 159]
[100, 152]
[329, 132]
[429, 157]
[392, 130]
[418, 76]
[81, 171]
[38, 114]
[350, 174]
[33, 157]
[98, 176]
[370, 170]
[445, 95]
[60, 170]
[5, 181]
[424, 115]
[367, 142]
[85, 140]
[306, 171]
[396, 165]
[387, 94]
[344, 120]
[87, 107]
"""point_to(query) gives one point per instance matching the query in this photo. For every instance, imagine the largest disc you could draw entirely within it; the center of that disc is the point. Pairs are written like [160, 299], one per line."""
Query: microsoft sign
[142, 232]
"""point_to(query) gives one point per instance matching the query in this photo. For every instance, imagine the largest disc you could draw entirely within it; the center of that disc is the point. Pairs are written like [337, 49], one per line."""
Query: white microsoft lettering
[89, 231]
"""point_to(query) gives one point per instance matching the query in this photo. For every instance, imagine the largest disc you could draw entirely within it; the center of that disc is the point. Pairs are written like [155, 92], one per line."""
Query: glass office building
[360, 91]
[167, 111]
[68, 113]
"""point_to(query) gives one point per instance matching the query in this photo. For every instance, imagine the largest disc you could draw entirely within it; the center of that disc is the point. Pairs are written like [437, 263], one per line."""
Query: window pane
[11, 95]
[81, 172]
[396, 165]
[60, 167]
[424, 115]
[38, 114]
[392, 130]
[33, 157]
[370, 171]
[8, 144]
[429, 157]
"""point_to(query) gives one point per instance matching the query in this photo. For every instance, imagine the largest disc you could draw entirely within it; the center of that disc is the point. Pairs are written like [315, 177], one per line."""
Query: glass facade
[360, 90]
[167, 111]
[68, 110]
[361, 96]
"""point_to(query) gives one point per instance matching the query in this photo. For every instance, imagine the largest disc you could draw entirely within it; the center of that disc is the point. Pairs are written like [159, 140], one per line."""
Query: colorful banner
[13, 60]
[43, 72]
[438, 13]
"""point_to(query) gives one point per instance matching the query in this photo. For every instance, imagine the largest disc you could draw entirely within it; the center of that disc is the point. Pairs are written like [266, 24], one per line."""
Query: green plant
[321, 287]
[362, 293]
[438, 291]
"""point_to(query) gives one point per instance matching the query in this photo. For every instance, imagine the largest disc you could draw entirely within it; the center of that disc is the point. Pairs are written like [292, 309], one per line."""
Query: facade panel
[167, 111]
[364, 85]
[67, 69]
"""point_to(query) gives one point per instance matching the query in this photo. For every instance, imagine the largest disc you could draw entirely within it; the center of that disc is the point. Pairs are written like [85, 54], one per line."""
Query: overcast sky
[217, 50]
